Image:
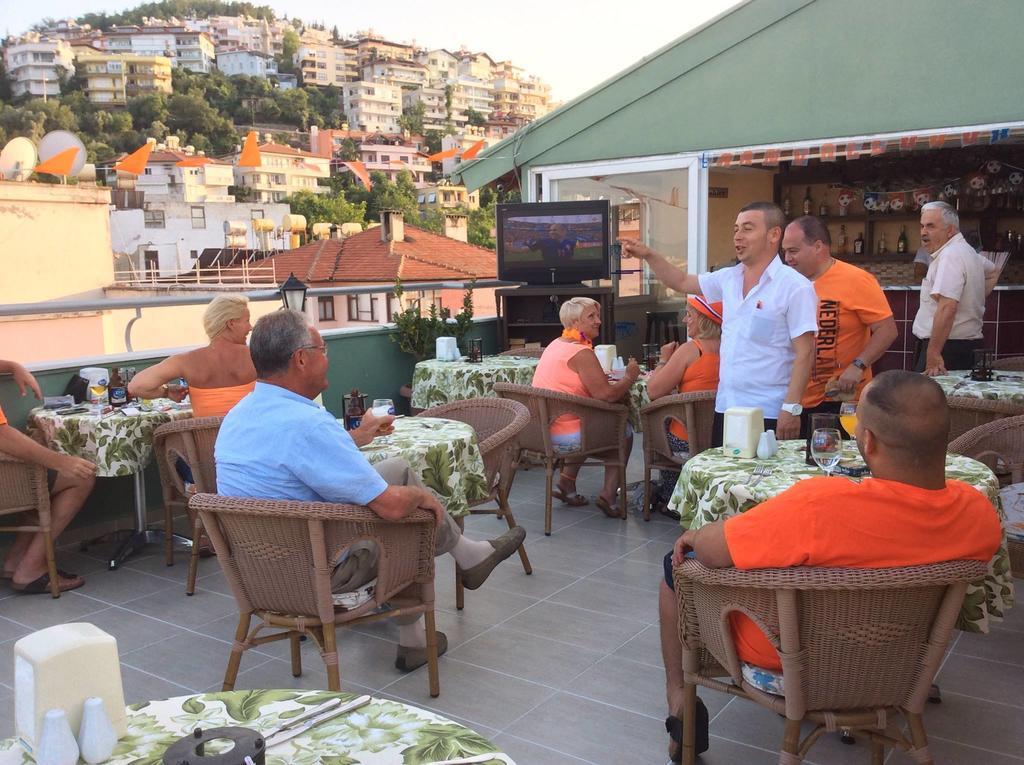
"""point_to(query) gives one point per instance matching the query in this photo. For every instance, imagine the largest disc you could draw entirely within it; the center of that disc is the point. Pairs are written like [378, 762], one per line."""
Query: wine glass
[826, 448]
[382, 407]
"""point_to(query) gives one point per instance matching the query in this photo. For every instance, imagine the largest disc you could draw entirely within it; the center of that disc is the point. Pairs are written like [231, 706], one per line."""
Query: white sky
[571, 44]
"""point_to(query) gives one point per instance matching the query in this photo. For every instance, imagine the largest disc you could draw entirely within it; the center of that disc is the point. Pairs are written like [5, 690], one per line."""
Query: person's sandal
[66, 581]
[612, 511]
[571, 498]
[674, 727]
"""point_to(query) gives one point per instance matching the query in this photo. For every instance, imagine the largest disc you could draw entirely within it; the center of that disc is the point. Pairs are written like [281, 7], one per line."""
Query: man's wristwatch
[859, 363]
[794, 409]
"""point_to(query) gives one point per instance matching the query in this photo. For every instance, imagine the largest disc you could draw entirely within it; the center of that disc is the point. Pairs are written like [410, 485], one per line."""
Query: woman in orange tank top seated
[569, 365]
[219, 375]
[692, 366]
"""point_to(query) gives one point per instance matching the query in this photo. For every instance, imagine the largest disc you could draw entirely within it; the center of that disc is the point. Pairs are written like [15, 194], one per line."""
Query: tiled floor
[559, 667]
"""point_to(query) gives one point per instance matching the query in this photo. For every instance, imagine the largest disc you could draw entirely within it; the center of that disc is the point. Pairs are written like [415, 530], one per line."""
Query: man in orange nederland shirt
[906, 514]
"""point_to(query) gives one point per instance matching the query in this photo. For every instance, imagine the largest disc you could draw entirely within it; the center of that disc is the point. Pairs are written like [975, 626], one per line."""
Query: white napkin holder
[606, 355]
[446, 349]
[742, 431]
[59, 668]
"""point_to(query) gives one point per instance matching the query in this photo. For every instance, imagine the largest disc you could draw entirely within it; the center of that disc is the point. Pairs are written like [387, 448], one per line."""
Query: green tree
[392, 195]
[289, 47]
[412, 118]
[326, 208]
[433, 138]
[475, 118]
[148, 109]
[294, 106]
[481, 227]
[178, 9]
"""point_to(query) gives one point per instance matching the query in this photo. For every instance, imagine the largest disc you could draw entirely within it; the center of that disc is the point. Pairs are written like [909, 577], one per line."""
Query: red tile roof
[171, 155]
[422, 257]
[277, 148]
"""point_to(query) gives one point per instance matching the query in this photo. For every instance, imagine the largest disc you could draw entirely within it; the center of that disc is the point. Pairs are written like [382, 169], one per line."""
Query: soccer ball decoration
[993, 166]
[845, 199]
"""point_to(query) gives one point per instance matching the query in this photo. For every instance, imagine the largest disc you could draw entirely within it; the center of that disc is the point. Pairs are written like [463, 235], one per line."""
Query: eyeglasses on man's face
[321, 348]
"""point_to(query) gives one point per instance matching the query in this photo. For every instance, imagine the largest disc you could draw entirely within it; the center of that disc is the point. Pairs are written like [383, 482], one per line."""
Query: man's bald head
[907, 414]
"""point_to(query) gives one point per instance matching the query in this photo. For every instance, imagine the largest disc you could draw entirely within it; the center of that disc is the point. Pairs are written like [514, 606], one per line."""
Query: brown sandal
[612, 511]
[66, 581]
[571, 498]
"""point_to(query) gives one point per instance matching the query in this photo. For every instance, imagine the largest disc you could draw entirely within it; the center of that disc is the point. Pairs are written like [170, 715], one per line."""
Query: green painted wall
[366, 360]
[789, 70]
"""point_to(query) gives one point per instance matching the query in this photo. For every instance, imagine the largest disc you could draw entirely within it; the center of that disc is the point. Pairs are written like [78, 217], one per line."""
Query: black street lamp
[293, 294]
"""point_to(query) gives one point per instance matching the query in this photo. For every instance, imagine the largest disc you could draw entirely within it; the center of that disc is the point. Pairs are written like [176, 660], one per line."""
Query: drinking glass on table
[382, 407]
[826, 448]
[848, 418]
[177, 389]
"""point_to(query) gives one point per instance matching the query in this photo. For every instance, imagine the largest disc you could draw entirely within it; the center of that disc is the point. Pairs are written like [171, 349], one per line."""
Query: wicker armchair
[696, 411]
[968, 413]
[602, 432]
[191, 440]
[1000, 445]
[856, 644]
[1009, 364]
[524, 353]
[23, 489]
[278, 557]
[497, 422]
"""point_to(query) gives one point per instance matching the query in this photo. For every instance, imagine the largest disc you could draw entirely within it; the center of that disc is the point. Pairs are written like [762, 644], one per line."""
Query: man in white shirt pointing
[769, 322]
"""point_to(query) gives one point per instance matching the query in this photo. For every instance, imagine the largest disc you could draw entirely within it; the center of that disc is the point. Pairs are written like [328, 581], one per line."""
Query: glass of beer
[848, 418]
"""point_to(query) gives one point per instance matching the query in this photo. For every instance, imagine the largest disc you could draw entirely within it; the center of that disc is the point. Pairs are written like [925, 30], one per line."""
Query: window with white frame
[362, 308]
[153, 219]
[198, 216]
[325, 307]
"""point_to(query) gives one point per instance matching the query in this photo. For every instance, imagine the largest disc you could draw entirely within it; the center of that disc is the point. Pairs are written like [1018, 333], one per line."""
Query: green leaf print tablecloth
[440, 382]
[959, 383]
[712, 486]
[444, 453]
[118, 444]
[380, 733]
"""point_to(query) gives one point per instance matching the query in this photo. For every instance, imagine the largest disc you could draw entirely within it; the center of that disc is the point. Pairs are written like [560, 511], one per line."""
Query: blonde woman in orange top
[218, 375]
[692, 366]
[569, 365]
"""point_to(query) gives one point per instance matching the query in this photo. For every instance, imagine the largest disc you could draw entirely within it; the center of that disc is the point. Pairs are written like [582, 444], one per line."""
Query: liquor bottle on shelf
[808, 202]
[823, 207]
[902, 244]
[858, 244]
[787, 206]
[842, 240]
[882, 249]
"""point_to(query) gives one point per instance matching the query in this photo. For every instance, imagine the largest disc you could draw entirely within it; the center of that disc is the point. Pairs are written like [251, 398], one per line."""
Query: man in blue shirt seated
[277, 444]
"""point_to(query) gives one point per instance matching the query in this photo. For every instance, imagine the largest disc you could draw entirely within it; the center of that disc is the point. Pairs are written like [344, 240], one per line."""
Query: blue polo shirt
[276, 444]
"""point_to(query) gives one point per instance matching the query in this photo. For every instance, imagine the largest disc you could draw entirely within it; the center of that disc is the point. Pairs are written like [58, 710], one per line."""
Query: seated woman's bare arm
[149, 383]
[666, 379]
[594, 379]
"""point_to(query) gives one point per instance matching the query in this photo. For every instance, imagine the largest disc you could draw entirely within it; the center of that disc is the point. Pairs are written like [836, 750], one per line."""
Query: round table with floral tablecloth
[440, 382]
[1004, 386]
[712, 486]
[443, 453]
[381, 733]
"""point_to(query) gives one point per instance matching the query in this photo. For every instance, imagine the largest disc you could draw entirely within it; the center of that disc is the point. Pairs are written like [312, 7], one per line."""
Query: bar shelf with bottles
[861, 235]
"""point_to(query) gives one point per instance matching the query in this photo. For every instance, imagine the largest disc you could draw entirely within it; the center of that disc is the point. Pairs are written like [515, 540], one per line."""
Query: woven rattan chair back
[497, 423]
[23, 489]
[191, 440]
[853, 642]
[278, 556]
[968, 413]
[1009, 364]
[696, 411]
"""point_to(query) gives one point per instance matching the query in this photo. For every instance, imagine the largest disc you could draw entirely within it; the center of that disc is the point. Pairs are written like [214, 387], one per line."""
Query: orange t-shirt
[215, 402]
[849, 302]
[874, 524]
[700, 375]
[553, 373]
[3, 417]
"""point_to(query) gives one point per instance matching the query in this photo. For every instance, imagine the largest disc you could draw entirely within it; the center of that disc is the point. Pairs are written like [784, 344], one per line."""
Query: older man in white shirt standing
[949, 320]
[769, 320]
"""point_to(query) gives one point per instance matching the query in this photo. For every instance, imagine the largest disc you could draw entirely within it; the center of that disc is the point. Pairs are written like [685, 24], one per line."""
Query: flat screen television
[553, 242]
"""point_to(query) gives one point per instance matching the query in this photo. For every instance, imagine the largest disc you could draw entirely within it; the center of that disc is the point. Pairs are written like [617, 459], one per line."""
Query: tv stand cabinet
[531, 312]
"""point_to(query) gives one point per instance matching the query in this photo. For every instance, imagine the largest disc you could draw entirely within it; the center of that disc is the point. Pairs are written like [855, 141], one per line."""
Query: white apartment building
[283, 171]
[34, 64]
[442, 65]
[473, 93]
[168, 235]
[476, 65]
[322, 62]
[66, 29]
[394, 157]
[462, 142]
[248, 62]
[372, 106]
[435, 115]
[208, 181]
[243, 33]
[408, 75]
[186, 48]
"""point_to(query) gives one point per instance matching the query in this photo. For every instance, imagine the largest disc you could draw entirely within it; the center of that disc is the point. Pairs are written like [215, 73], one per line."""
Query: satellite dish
[17, 159]
[55, 142]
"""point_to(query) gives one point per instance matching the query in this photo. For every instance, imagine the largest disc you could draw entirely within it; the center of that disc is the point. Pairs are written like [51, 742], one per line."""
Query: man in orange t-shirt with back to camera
[855, 323]
[906, 514]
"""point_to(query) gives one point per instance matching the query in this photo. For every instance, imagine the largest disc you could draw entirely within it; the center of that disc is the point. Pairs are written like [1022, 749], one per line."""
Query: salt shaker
[766, 445]
[57, 744]
[96, 736]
